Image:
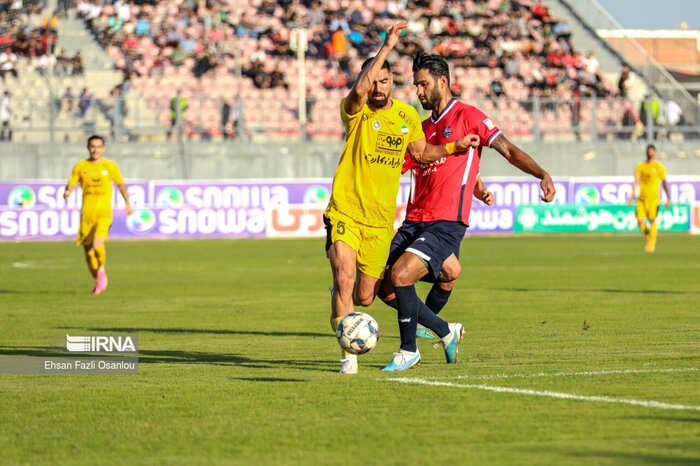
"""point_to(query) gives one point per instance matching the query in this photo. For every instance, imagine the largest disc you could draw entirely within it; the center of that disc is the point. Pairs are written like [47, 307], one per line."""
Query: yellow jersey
[95, 180]
[367, 178]
[650, 175]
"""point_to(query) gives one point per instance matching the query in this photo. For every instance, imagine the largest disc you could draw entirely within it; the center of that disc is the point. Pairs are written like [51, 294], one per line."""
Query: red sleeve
[408, 164]
[484, 127]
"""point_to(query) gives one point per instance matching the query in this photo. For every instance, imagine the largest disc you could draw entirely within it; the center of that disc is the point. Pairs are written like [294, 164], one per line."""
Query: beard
[379, 103]
[433, 100]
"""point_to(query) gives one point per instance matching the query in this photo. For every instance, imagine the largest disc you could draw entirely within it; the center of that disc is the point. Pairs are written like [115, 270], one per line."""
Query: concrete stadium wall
[245, 160]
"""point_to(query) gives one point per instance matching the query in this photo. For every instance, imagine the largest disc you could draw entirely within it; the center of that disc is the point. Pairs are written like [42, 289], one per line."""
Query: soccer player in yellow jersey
[647, 177]
[95, 176]
[359, 218]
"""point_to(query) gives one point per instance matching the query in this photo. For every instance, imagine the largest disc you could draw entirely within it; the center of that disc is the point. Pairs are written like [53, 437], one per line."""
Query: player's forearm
[430, 153]
[125, 193]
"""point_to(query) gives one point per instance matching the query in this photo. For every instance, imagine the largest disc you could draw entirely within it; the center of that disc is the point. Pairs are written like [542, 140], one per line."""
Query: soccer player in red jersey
[438, 209]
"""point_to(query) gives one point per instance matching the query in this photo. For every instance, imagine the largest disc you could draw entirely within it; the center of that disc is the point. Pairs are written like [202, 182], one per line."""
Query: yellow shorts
[371, 243]
[647, 209]
[89, 229]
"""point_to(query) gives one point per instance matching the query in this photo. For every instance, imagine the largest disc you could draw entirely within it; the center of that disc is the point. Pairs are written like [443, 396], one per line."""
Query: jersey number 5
[341, 228]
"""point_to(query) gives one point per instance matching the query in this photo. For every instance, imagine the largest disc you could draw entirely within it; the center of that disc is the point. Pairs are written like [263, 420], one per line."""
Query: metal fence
[56, 119]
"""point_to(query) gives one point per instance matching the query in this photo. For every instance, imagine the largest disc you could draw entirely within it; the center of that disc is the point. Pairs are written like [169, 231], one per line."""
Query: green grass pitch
[238, 364]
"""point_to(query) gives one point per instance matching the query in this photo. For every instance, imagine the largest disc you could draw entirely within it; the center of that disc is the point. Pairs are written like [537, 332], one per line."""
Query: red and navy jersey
[442, 190]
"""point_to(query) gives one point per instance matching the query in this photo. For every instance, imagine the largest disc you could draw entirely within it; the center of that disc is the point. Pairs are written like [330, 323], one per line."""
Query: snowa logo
[587, 195]
[141, 221]
[124, 343]
[316, 195]
[22, 197]
[528, 218]
[169, 197]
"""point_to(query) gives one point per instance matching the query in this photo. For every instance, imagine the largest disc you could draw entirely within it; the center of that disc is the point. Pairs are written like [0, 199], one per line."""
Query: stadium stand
[514, 59]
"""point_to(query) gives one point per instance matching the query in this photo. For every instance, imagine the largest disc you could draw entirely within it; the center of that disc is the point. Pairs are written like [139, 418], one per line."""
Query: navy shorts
[432, 242]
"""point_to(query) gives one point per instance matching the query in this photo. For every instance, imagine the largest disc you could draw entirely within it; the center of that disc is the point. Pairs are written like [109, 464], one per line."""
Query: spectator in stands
[84, 102]
[68, 100]
[78, 68]
[623, 84]
[590, 63]
[21, 46]
[64, 65]
[277, 77]
[495, 90]
[118, 111]
[8, 63]
[205, 62]
[225, 119]
[45, 64]
[672, 114]
[5, 115]
[178, 106]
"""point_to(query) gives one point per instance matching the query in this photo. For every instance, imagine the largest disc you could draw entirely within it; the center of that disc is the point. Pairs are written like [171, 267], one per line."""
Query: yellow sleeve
[74, 176]
[662, 172]
[638, 171]
[349, 119]
[116, 174]
[416, 130]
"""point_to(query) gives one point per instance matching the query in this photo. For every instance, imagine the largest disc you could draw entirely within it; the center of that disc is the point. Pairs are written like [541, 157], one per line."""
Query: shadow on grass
[180, 357]
[634, 457]
[267, 379]
[666, 418]
[212, 331]
[599, 290]
[42, 292]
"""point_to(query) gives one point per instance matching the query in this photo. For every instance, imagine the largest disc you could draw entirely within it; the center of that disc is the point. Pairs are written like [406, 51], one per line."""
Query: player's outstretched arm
[668, 198]
[518, 158]
[630, 201]
[363, 84]
[422, 152]
[125, 195]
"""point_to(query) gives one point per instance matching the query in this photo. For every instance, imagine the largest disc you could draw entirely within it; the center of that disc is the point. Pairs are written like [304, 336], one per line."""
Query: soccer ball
[357, 332]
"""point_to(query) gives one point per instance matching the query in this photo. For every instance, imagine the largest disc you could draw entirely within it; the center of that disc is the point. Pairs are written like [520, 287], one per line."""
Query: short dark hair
[95, 136]
[385, 66]
[651, 146]
[435, 64]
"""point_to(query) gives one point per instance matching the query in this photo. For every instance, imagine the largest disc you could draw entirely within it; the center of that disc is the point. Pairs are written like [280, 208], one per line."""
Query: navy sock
[408, 305]
[392, 303]
[427, 318]
[437, 298]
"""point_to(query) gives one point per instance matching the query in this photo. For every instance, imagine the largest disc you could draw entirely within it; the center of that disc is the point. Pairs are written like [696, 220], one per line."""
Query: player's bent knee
[363, 299]
[401, 277]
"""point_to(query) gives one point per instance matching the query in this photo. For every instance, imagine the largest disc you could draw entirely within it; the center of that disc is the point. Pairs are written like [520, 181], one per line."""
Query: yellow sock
[652, 233]
[334, 323]
[91, 262]
[644, 228]
[101, 256]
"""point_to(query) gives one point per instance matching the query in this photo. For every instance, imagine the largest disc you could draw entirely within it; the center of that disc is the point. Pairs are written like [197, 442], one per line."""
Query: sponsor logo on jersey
[104, 172]
[389, 144]
[489, 124]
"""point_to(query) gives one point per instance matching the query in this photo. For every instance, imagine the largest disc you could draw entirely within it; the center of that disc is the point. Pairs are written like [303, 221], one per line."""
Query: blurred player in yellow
[95, 176]
[647, 177]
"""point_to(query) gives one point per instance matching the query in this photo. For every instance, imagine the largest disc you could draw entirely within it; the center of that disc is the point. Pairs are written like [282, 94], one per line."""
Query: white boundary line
[549, 394]
[573, 374]
[560, 395]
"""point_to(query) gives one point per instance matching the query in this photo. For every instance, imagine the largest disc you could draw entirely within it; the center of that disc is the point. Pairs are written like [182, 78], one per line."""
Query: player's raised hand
[465, 142]
[393, 33]
[487, 198]
[547, 189]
